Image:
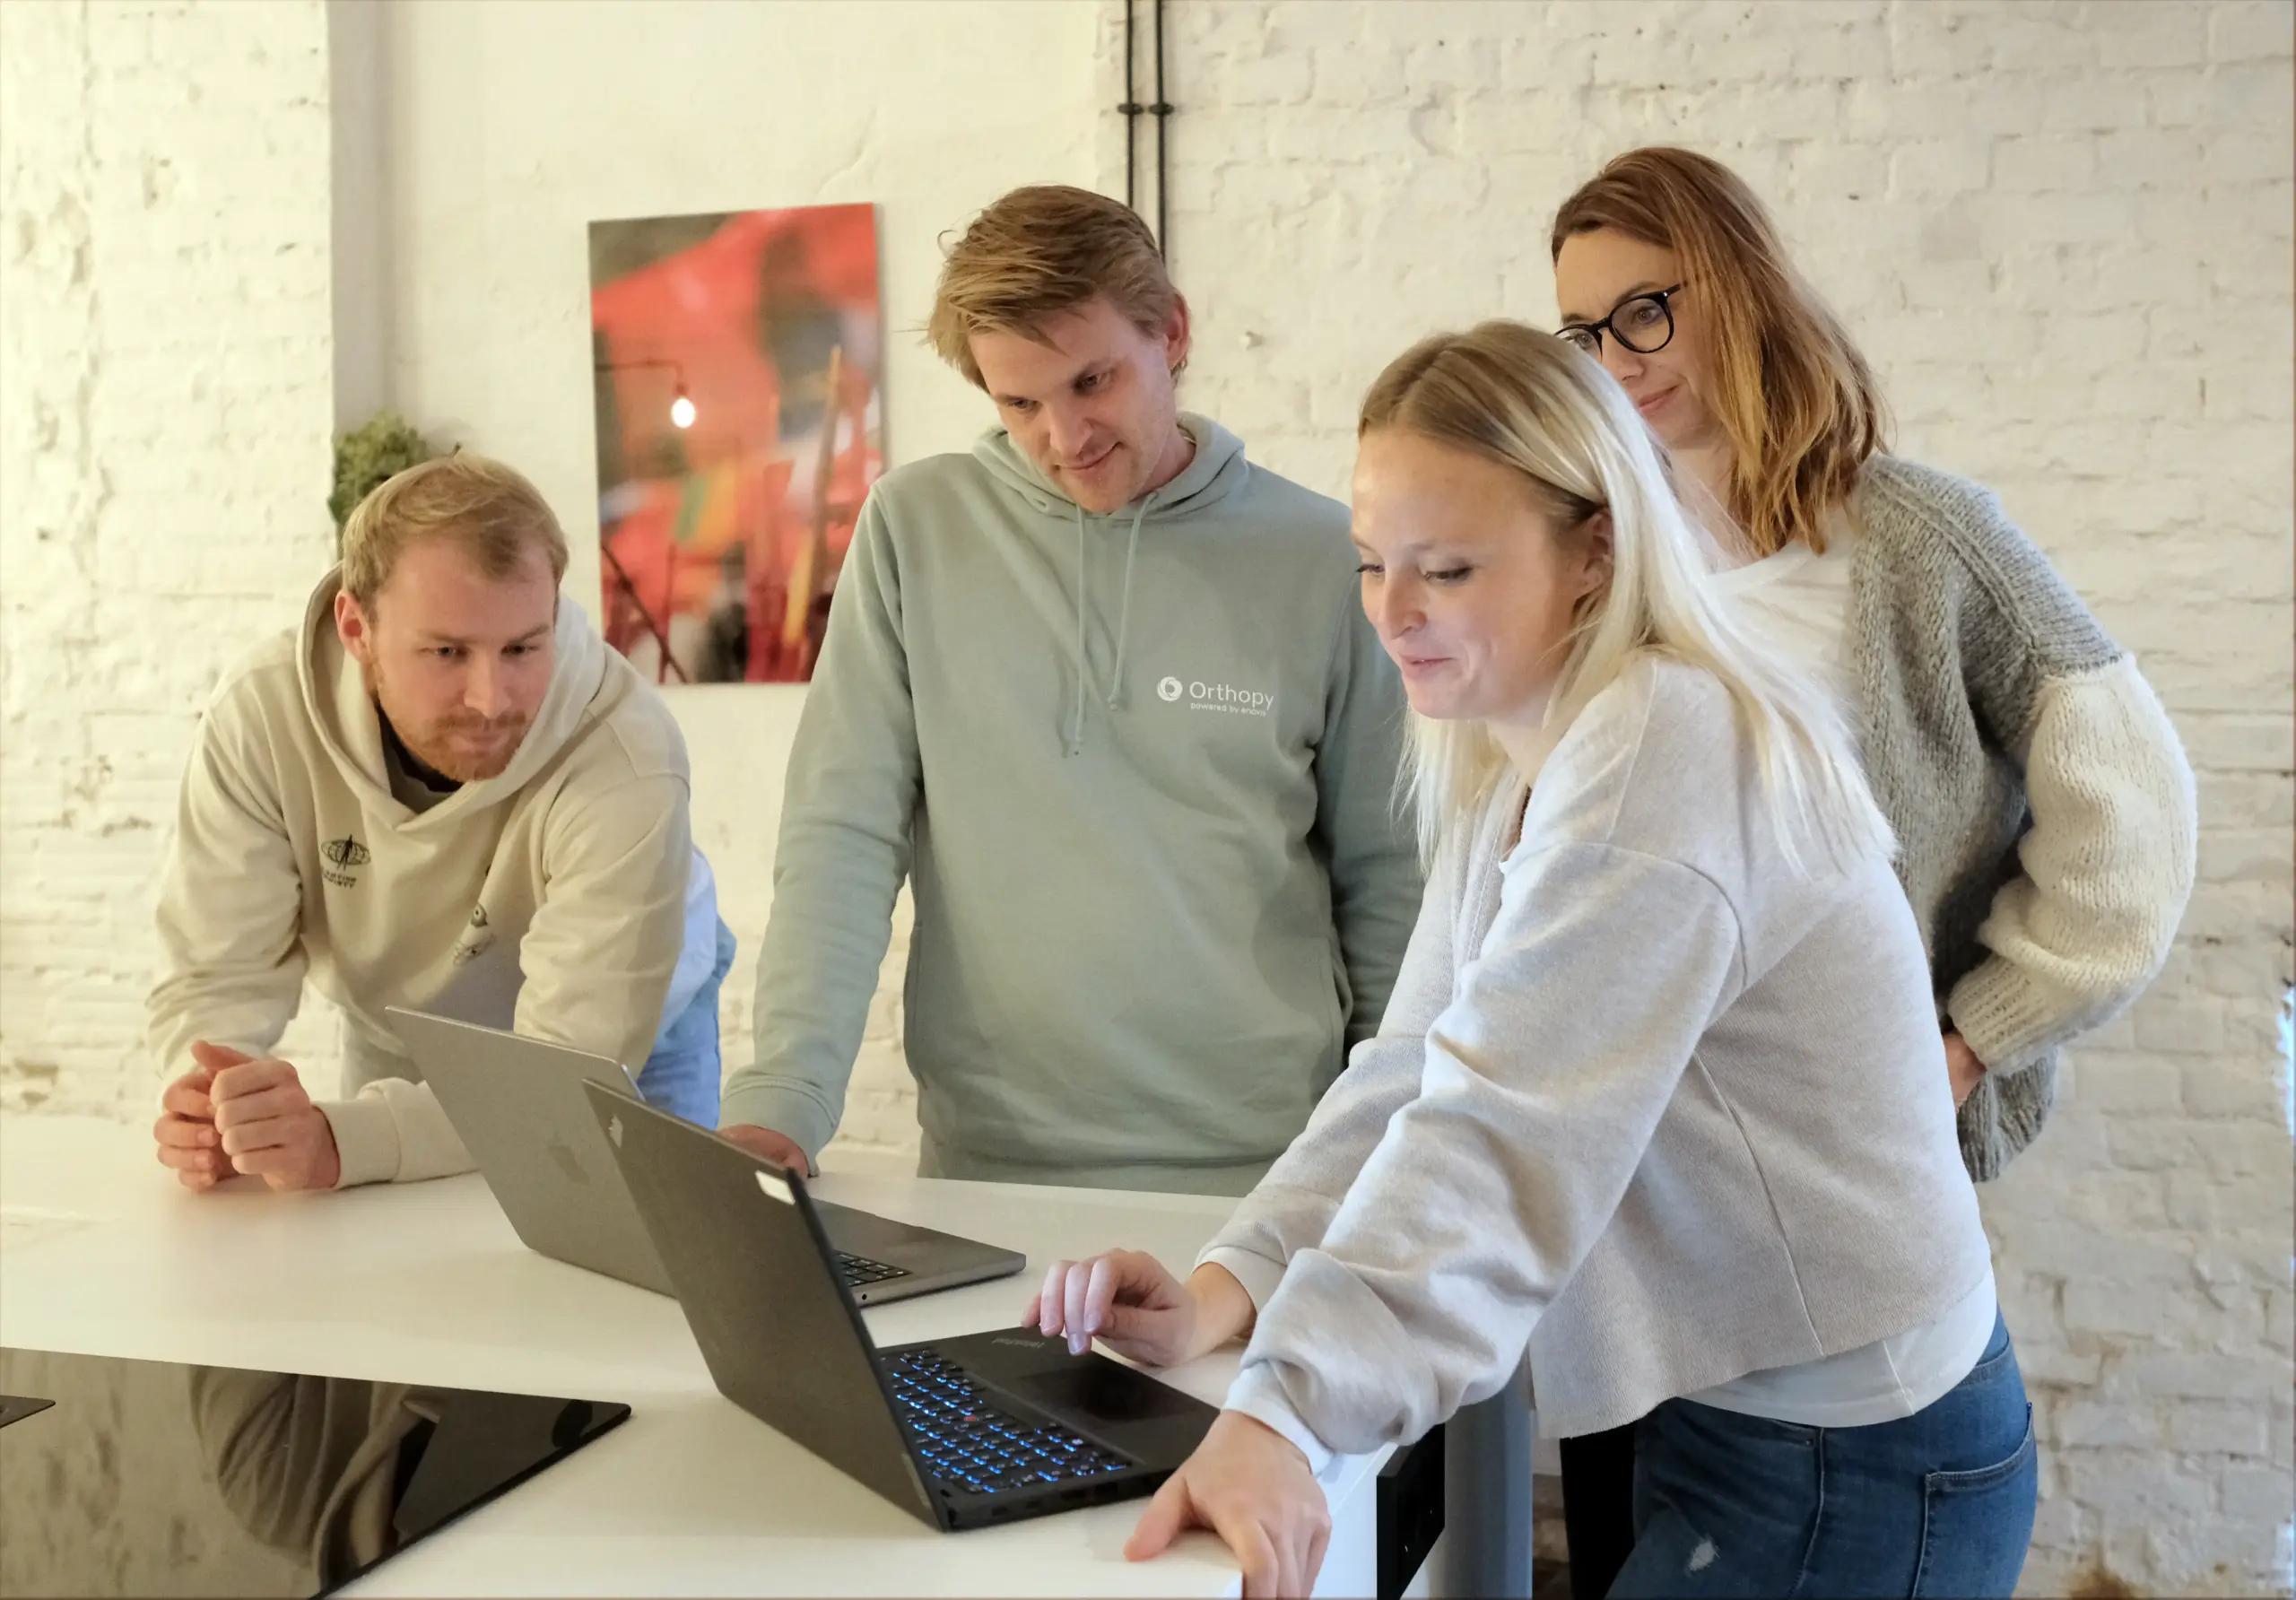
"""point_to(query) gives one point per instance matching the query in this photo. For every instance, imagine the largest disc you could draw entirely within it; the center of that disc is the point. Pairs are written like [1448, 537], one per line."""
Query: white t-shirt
[1801, 599]
[1880, 1382]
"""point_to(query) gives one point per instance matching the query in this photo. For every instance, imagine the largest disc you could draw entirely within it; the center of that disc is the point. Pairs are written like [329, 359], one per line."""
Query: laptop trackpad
[1102, 1392]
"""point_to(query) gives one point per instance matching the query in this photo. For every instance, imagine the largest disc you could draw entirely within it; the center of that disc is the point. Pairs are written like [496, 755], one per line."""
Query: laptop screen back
[756, 1277]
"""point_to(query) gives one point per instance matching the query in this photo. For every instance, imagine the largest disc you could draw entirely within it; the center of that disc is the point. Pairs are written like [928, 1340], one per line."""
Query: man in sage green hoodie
[1102, 690]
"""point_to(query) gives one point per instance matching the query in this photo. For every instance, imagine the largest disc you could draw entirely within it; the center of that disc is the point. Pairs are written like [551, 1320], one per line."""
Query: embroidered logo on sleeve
[343, 856]
[477, 941]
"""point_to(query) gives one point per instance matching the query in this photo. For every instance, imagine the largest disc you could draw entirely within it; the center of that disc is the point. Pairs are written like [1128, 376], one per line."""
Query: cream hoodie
[550, 900]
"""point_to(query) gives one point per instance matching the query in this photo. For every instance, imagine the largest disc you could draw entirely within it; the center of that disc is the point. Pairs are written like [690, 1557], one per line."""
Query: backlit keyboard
[860, 1271]
[968, 1441]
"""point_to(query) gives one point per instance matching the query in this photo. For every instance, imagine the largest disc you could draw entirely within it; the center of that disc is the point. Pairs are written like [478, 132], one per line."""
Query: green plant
[367, 456]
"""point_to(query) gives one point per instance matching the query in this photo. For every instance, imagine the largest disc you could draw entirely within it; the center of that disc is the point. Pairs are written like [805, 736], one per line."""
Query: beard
[441, 744]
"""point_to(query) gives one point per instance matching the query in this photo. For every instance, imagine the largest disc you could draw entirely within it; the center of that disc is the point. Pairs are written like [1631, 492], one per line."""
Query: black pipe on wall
[1160, 108]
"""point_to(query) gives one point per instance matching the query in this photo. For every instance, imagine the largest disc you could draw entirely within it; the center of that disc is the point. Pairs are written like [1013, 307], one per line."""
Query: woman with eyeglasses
[2042, 803]
[1605, 1121]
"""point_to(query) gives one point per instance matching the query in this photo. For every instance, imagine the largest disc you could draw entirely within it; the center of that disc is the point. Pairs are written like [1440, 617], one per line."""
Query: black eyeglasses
[1644, 324]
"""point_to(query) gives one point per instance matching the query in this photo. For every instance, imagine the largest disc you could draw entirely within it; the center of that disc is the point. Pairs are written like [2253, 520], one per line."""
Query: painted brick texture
[165, 405]
[2061, 230]
[2062, 233]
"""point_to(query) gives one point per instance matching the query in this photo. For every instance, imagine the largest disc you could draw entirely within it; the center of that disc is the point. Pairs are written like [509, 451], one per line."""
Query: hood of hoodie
[350, 729]
[1217, 470]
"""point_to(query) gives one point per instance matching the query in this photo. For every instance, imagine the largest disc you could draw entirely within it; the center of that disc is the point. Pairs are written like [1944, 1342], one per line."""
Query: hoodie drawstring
[1076, 721]
[1114, 696]
[1124, 610]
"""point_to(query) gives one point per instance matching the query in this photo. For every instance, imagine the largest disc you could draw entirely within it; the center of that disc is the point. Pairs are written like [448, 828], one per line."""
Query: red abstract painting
[738, 363]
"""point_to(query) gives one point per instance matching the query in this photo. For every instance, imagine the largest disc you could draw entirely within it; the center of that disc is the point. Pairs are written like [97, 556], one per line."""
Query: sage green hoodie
[1141, 770]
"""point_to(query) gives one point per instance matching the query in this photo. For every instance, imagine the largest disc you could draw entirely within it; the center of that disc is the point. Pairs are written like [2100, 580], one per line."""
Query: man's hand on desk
[186, 1134]
[1130, 1303]
[232, 1113]
[777, 1148]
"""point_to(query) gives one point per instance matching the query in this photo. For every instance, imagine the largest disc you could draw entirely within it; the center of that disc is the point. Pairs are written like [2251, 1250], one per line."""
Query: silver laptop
[519, 1107]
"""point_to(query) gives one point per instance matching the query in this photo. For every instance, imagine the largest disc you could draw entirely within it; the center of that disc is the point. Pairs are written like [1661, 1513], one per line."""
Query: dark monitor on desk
[128, 1477]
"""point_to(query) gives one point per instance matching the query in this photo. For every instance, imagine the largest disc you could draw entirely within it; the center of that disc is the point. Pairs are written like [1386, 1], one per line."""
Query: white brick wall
[505, 132]
[2061, 230]
[164, 416]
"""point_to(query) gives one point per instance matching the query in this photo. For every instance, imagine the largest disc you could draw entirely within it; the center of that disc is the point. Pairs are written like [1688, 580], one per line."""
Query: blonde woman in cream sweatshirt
[1660, 1084]
[443, 791]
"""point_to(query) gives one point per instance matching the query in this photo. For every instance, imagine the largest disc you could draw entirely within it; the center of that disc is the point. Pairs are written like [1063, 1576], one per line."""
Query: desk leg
[1486, 1546]
[1351, 1570]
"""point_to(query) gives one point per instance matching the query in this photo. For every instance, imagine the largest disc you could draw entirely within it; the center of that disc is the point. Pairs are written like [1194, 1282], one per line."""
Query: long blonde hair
[1531, 404]
[1796, 400]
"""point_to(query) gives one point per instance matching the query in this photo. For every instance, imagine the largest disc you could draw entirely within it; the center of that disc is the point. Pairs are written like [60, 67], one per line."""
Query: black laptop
[963, 1432]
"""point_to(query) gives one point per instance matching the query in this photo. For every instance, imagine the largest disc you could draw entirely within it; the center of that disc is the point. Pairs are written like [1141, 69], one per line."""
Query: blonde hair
[1040, 251]
[1796, 400]
[489, 510]
[1531, 404]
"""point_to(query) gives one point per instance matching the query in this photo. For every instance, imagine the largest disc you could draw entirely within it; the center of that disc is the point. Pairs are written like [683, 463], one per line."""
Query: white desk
[101, 1253]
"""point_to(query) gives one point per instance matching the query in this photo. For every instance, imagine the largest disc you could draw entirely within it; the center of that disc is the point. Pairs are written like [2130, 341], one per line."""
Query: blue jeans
[684, 1074]
[1937, 1503]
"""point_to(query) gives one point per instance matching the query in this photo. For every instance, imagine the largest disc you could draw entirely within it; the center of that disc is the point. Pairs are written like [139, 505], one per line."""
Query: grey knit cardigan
[2044, 811]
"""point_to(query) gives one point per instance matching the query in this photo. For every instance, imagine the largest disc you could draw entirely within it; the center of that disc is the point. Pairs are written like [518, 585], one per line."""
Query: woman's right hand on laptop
[1132, 1304]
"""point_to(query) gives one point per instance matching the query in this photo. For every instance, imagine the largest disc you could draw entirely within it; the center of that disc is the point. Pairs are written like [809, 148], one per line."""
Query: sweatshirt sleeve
[844, 849]
[597, 957]
[1486, 1192]
[1290, 1208]
[595, 962]
[1365, 835]
[2107, 864]
[231, 903]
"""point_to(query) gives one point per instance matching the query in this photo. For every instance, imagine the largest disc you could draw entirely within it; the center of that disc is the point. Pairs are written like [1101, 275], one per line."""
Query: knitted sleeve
[2106, 863]
[2107, 866]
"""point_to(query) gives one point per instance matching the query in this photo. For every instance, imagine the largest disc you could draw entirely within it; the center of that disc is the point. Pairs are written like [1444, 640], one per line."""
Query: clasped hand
[234, 1113]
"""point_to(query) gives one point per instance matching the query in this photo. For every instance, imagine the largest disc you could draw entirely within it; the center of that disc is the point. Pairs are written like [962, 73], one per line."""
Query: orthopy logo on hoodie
[1216, 697]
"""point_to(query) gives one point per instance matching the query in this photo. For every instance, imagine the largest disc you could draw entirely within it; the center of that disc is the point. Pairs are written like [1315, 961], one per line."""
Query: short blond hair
[489, 510]
[1038, 252]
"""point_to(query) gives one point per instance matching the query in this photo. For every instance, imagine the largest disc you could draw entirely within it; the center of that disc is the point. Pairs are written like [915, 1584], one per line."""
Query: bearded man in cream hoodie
[444, 792]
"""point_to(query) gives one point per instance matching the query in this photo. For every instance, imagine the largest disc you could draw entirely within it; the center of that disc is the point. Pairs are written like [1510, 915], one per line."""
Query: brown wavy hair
[1796, 400]
[1038, 252]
